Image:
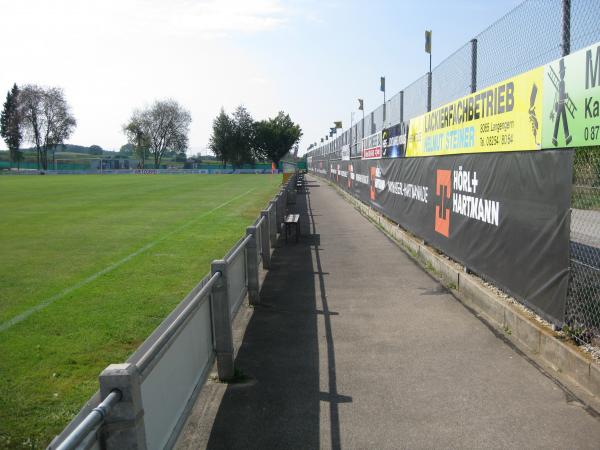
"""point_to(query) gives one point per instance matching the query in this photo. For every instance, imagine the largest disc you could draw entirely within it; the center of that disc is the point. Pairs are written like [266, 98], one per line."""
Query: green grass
[56, 231]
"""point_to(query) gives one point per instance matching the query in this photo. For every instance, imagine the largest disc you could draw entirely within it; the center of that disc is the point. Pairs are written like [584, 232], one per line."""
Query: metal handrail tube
[259, 223]
[239, 248]
[164, 338]
[93, 419]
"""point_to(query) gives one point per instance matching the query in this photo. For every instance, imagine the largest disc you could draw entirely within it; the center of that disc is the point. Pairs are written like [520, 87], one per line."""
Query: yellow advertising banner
[501, 118]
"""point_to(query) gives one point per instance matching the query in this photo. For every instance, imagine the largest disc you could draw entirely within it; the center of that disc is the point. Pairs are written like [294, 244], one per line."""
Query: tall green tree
[164, 126]
[223, 138]
[46, 118]
[139, 141]
[277, 136]
[244, 137]
[10, 124]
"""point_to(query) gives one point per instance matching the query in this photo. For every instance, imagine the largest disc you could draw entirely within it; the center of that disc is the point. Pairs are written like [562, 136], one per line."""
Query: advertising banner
[553, 106]
[504, 216]
[371, 147]
[394, 141]
[501, 118]
[572, 100]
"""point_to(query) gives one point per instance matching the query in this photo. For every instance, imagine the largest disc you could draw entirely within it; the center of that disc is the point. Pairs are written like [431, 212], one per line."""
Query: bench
[289, 221]
[299, 184]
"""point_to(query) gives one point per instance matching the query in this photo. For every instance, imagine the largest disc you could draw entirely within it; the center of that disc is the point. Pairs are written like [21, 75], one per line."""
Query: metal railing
[92, 421]
[144, 402]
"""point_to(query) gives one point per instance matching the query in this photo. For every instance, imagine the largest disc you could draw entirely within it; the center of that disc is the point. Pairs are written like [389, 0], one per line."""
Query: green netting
[33, 165]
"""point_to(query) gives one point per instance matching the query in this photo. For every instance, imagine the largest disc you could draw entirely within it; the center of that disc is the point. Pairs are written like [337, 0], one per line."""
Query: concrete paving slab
[355, 346]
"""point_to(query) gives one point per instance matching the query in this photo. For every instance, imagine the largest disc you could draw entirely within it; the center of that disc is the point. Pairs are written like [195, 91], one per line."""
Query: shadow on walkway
[279, 405]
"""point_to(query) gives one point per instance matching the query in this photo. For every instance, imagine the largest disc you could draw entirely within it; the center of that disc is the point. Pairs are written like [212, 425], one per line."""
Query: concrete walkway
[355, 346]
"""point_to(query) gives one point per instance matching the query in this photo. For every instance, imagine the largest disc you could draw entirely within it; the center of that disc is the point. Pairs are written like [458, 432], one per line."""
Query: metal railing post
[221, 321]
[124, 425]
[473, 65]
[252, 266]
[273, 222]
[265, 239]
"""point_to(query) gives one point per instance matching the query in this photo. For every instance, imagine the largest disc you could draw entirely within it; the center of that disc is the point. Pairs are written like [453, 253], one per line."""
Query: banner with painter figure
[553, 106]
[571, 110]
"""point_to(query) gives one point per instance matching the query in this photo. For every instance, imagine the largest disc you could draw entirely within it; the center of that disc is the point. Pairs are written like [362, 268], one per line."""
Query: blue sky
[311, 59]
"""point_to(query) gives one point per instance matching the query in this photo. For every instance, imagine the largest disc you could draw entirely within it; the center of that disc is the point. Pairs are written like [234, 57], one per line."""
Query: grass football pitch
[89, 266]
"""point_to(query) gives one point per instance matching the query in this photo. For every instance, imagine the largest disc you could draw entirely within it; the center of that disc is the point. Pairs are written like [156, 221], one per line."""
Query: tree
[46, 118]
[277, 136]
[136, 137]
[10, 124]
[244, 133]
[127, 149]
[96, 150]
[164, 127]
[222, 140]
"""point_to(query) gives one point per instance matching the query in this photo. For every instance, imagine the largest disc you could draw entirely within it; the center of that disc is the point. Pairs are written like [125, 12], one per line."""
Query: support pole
[252, 266]
[265, 240]
[124, 425]
[221, 321]
[273, 222]
[429, 89]
[401, 106]
[566, 27]
[473, 65]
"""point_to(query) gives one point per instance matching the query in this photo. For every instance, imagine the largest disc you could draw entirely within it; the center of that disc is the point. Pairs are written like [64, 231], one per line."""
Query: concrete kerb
[564, 358]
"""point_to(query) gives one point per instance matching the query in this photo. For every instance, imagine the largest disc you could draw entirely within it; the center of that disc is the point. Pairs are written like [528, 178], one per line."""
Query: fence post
[428, 91]
[566, 27]
[124, 425]
[221, 320]
[473, 65]
[401, 106]
[278, 212]
[281, 208]
[265, 239]
[373, 126]
[252, 266]
[273, 222]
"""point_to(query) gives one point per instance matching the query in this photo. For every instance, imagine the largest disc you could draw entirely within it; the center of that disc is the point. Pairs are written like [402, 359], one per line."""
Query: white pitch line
[24, 315]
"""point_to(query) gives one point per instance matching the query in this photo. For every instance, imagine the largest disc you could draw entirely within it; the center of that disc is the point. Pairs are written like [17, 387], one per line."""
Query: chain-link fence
[583, 300]
[415, 98]
[452, 78]
[532, 34]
